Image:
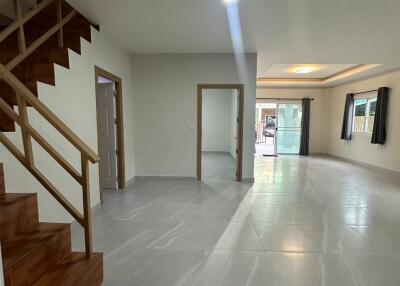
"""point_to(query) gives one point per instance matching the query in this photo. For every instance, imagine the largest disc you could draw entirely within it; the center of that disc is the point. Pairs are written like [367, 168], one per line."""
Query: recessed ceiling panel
[318, 71]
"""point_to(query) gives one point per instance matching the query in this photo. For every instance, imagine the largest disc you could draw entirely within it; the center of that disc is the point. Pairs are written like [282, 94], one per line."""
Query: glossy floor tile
[218, 166]
[305, 221]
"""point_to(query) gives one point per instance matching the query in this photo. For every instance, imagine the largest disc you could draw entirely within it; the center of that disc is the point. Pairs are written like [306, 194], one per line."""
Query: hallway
[218, 166]
[305, 221]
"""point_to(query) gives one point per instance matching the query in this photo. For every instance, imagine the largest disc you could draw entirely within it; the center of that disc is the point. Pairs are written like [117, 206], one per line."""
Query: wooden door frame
[239, 161]
[120, 124]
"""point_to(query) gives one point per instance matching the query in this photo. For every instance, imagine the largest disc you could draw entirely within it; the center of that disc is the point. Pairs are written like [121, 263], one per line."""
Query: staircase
[40, 253]
[39, 66]
[36, 253]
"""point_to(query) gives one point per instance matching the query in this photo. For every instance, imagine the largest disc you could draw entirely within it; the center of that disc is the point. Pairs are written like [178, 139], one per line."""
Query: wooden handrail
[42, 141]
[26, 97]
[30, 97]
[42, 179]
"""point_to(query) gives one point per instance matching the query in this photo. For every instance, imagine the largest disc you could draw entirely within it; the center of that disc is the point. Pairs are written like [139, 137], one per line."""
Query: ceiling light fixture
[227, 2]
[303, 70]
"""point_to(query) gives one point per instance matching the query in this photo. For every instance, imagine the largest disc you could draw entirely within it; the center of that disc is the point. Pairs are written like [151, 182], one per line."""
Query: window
[364, 115]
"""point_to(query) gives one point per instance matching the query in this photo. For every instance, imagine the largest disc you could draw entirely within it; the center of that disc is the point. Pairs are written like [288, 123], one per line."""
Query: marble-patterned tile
[162, 267]
[305, 221]
[298, 269]
[200, 235]
[239, 237]
[376, 269]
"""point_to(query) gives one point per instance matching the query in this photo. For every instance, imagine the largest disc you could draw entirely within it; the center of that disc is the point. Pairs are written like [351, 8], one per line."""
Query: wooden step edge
[27, 260]
[75, 269]
[32, 241]
[9, 198]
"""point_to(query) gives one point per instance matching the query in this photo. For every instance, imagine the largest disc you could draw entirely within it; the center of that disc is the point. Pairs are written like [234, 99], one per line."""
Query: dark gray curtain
[348, 117]
[305, 126]
[379, 131]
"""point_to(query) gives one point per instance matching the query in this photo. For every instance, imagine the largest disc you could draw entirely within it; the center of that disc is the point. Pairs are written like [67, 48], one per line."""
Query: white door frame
[120, 125]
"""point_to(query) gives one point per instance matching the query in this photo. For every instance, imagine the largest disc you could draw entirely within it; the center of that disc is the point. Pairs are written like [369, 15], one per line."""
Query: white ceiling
[319, 71]
[280, 31]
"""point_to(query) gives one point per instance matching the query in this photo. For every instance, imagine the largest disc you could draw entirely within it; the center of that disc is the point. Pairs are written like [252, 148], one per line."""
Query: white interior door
[107, 149]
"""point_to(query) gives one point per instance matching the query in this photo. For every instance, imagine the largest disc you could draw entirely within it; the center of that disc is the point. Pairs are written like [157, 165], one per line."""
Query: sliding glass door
[289, 128]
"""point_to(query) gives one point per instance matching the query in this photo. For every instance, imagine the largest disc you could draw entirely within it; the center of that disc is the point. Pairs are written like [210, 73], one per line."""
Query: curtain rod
[367, 91]
[270, 98]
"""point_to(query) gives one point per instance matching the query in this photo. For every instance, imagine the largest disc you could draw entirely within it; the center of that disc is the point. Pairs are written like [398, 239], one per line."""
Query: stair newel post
[87, 221]
[59, 21]
[26, 137]
[21, 33]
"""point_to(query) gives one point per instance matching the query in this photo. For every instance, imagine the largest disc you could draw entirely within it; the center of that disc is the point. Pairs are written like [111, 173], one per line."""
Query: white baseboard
[166, 178]
[248, 180]
[363, 164]
[130, 182]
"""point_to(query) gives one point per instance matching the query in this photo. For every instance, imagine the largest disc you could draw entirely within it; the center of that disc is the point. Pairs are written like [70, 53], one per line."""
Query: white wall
[165, 87]
[233, 114]
[73, 100]
[360, 148]
[317, 115]
[216, 120]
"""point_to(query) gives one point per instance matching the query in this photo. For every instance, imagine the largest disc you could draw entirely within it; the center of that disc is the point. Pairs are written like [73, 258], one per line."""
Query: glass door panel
[289, 128]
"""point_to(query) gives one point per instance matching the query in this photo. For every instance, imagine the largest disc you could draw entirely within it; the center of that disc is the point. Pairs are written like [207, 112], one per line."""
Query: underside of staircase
[36, 253]
[39, 66]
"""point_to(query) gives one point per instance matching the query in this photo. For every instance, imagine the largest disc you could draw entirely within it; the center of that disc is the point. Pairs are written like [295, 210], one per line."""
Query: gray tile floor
[218, 166]
[305, 221]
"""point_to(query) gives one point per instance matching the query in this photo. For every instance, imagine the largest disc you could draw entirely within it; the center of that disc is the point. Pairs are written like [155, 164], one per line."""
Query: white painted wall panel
[216, 120]
[165, 87]
[360, 147]
[233, 115]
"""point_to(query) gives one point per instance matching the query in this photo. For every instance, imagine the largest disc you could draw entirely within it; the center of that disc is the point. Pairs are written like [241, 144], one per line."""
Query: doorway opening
[219, 132]
[110, 131]
[265, 126]
[277, 127]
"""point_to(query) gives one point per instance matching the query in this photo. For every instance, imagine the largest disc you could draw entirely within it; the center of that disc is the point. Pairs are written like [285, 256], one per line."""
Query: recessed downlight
[303, 70]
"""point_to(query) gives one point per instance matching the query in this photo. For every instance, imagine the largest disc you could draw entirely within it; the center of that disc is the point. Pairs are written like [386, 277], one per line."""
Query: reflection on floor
[218, 166]
[306, 221]
[265, 148]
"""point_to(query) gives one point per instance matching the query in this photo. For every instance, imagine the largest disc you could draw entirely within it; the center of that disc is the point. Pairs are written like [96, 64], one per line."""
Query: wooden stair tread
[25, 244]
[29, 255]
[75, 269]
[18, 213]
[9, 198]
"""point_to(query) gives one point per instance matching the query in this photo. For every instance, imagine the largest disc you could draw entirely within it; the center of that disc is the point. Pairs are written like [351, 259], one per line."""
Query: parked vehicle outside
[269, 128]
